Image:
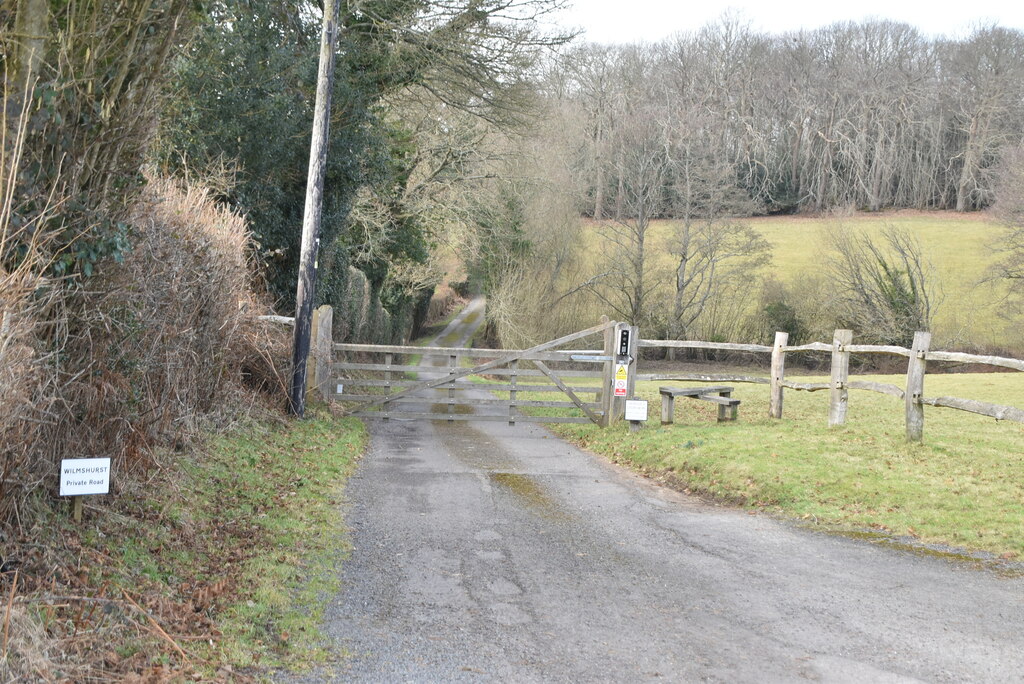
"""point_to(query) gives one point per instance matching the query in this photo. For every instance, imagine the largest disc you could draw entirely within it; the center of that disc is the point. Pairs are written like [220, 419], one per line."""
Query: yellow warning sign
[620, 371]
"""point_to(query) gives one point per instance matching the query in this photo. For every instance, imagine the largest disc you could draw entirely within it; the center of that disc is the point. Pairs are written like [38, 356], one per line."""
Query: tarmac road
[485, 552]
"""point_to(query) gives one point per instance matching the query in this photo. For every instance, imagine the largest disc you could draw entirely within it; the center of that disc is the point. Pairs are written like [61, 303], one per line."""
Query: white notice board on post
[81, 476]
[636, 409]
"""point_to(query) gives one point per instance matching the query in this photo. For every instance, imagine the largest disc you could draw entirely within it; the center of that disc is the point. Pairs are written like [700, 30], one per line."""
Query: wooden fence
[840, 384]
[609, 410]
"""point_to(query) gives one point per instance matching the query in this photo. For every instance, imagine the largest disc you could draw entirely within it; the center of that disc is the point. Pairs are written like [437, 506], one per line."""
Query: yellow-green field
[956, 244]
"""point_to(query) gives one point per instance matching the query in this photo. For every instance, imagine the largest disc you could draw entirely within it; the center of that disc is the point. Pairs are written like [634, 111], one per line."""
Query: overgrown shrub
[445, 300]
[885, 289]
[139, 354]
[23, 383]
[778, 313]
[91, 76]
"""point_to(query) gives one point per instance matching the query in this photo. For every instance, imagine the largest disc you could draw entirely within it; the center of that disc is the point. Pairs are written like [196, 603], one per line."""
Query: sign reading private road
[636, 409]
[80, 476]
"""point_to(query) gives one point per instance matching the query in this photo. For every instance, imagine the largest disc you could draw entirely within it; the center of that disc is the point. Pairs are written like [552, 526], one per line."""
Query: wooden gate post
[323, 340]
[778, 374]
[617, 405]
[318, 375]
[634, 353]
[915, 386]
[311, 359]
[839, 394]
[608, 376]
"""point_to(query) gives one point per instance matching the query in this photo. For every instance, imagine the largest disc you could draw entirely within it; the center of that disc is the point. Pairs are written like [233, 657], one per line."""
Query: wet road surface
[488, 552]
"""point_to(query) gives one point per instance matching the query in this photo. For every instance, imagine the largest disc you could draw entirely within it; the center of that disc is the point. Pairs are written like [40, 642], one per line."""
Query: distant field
[956, 244]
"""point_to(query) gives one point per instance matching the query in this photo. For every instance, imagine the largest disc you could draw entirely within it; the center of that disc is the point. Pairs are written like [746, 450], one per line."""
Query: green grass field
[963, 486]
[956, 244]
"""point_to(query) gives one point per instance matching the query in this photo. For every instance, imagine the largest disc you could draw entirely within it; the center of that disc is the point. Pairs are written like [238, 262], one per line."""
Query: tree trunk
[31, 28]
[967, 171]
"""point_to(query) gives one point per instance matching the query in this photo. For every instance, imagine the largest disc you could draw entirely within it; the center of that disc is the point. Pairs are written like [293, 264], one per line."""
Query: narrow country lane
[488, 552]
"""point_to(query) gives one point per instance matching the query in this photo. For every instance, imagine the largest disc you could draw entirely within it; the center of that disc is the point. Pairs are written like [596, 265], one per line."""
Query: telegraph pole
[314, 208]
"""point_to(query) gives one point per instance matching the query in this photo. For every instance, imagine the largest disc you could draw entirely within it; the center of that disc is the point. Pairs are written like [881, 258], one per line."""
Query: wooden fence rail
[839, 385]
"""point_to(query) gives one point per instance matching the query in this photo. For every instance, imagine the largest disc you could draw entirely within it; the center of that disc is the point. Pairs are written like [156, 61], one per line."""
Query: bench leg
[667, 409]
[727, 413]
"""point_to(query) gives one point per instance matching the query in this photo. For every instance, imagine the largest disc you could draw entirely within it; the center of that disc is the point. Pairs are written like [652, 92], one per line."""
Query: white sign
[636, 409]
[341, 389]
[620, 388]
[80, 476]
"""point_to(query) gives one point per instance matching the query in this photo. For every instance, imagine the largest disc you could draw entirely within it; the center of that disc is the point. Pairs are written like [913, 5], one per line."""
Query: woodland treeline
[867, 115]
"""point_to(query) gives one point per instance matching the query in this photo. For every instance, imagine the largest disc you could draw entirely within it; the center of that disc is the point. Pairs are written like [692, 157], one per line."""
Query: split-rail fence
[375, 377]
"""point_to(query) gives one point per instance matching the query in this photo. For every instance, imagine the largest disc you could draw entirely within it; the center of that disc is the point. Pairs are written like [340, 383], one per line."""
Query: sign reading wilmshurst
[79, 476]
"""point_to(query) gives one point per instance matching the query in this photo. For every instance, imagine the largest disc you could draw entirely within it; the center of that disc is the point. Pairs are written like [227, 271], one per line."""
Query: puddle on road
[529, 492]
[461, 409]
[476, 450]
[473, 448]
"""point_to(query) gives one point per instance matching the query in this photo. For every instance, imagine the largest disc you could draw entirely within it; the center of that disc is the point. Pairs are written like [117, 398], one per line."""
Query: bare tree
[989, 68]
[642, 169]
[1009, 207]
[886, 291]
[706, 243]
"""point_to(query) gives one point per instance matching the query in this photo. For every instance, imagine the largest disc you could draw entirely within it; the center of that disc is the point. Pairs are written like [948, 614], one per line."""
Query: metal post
[514, 368]
[453, 362]
[608, 376]
[388, 358]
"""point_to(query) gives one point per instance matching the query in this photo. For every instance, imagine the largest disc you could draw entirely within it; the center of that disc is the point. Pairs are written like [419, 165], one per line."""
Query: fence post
[608, 376]
[839, 394]
[778, 374]
[324, 339]
[915, 386]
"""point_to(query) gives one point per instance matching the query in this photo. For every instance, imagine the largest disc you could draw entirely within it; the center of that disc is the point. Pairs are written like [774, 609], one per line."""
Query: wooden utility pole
[314, 208]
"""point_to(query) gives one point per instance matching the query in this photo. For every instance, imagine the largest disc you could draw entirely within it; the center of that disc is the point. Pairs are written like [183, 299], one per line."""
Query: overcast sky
[627, 21]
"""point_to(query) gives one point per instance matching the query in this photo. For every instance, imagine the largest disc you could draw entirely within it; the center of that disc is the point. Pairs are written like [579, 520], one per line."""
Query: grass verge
[963, 487]
[284, 516]
[214, 572]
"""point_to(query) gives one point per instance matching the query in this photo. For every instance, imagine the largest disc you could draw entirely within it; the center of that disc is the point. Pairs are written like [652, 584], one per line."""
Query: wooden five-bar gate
[454, 383]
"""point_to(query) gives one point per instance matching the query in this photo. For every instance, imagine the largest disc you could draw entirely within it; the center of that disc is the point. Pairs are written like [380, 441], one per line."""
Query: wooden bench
[727, 406]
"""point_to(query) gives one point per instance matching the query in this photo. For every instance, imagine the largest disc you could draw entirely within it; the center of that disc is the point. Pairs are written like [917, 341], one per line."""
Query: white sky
[627, 21]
